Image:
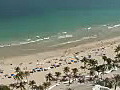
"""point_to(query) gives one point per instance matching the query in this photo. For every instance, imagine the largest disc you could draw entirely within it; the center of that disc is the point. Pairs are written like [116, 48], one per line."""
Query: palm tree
[26, 74]
[116, 81]
[21, 85]
[118, 57]
[13, 85]
[41, 87]
[75, 56]
[69, 89]
[109, 61]
[4, 87]
[104, 58]
[69, 78]
[46, 85]
[35, 87]
[57, 74]
[19, 76]
[66, 70]
[84, 61]
[92, 62]
[108, 83]
[92, 73]
[74, 71]
[117, 49]
[97, 68]
[17, 69]
[103, 69]
[49, 83]
[32, 83]
[49, 77]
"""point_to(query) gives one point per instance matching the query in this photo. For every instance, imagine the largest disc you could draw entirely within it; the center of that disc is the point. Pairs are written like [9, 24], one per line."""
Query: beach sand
[46, 59]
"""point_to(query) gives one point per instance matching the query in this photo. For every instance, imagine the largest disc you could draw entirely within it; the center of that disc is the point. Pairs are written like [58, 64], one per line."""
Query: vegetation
[96, 73]
[3, 87]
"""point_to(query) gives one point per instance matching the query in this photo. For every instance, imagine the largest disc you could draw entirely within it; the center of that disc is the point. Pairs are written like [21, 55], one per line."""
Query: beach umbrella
[12, 74]
[72, 60]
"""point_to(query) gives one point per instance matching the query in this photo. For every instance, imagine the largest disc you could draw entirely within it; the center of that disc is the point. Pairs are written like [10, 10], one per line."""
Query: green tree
[17, 69]
[104, 58]
[57, 74]
[4, 87]
[13, 85]
[117, 57]
[41, 87]
[116, 81]
[66, 70]
[84, 61]
[92, 62]
[49, 77]
[19, 76]
[117, 49]
[21, 85]
[46, 85]
[74, 71]
[26, 74]
[32, 84]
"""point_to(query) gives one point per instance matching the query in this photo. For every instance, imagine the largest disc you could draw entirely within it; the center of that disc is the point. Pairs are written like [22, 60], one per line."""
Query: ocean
[47, 24]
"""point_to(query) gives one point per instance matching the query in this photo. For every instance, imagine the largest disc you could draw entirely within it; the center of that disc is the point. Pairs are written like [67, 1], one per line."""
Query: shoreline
[52, 53]
[70, 40]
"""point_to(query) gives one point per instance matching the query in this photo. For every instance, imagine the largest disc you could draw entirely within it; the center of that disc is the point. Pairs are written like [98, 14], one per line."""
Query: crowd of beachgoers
[96, 67]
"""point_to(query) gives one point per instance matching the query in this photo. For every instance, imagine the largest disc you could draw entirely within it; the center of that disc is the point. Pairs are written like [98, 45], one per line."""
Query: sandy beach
[46, 59]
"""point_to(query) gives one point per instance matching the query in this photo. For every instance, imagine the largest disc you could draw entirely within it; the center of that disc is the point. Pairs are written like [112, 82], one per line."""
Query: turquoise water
[51, 24]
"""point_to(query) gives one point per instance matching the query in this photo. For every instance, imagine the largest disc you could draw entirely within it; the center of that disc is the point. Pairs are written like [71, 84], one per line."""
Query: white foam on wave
[1, 46]
[84, 38]
[32, 41]
[115, 26]
[109, 27]
[28, 39]
[23, 43]
[47, 38]
[104, 25]
[69, 35]
[37, 36]
[64, 32]
[8, 45]
[5, 45]
[89, 28]
[38, 40]
[65, 36]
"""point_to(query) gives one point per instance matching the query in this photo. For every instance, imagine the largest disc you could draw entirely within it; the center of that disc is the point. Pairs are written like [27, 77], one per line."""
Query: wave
[115, 26]
[65, 36]
[47, 38]
[58, 36]
[27, 41]
[64, 32]
[84, 38]
[7, 45]
[89, 28]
